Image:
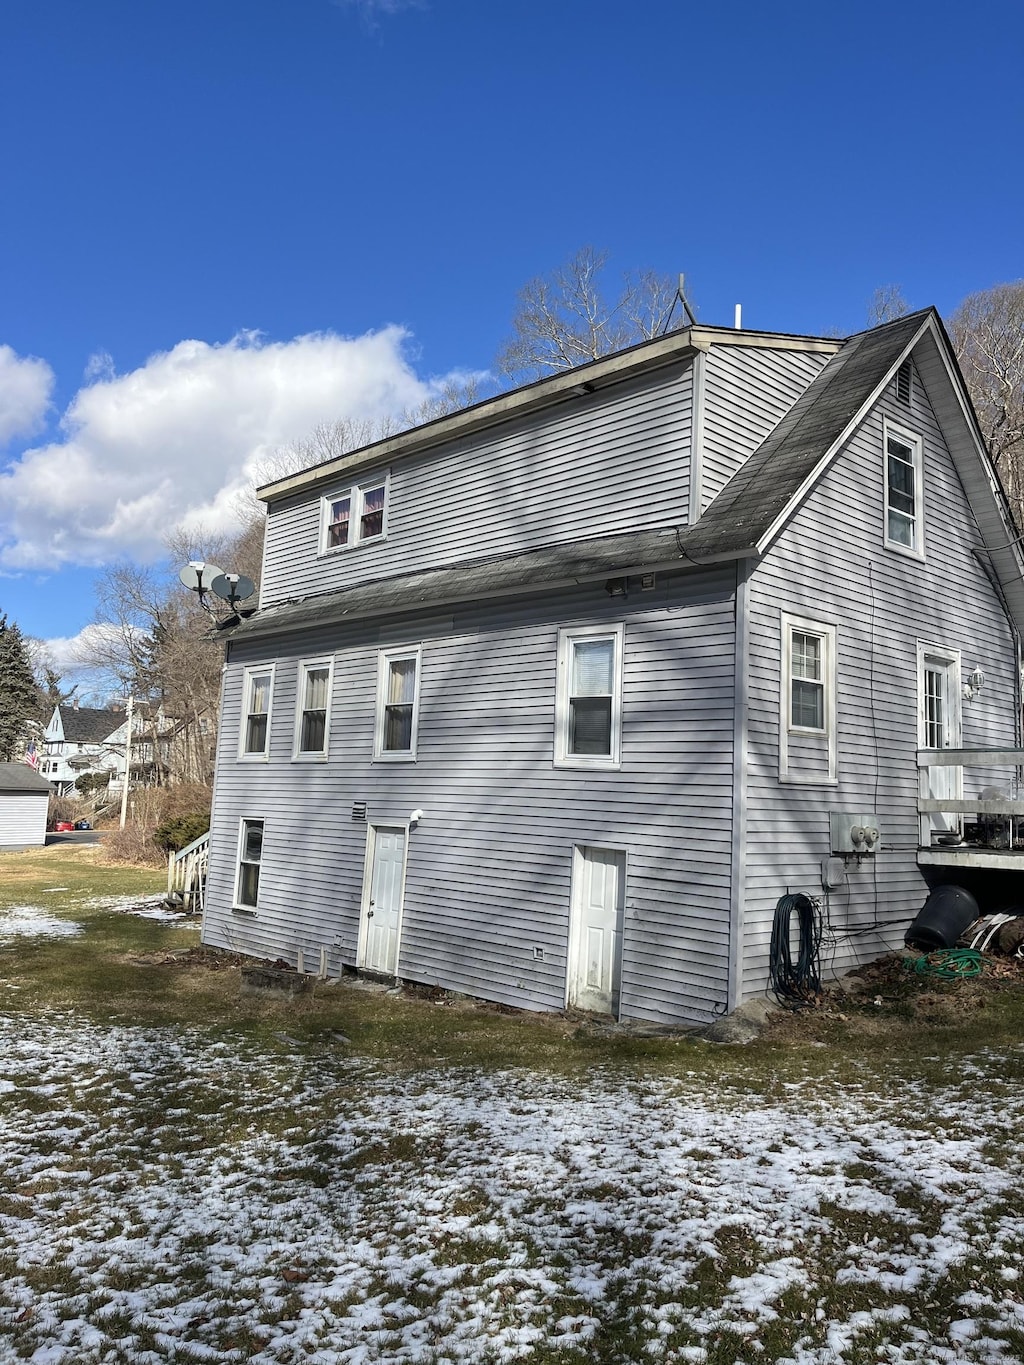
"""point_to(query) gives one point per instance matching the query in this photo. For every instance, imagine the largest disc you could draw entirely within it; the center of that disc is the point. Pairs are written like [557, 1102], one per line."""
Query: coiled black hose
[796, 983]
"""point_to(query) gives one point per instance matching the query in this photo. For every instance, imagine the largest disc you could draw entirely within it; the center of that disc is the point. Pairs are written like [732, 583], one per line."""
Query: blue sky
[226, 220]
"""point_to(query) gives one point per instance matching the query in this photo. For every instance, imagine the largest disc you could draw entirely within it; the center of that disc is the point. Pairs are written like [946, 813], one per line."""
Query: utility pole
[127, 760]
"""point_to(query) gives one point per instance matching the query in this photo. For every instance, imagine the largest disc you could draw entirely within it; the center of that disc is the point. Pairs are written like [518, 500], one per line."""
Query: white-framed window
[588, 707]
[250, 855]
[808, 749]
[313, 708]
[398, 694]
[354, 515]
[257, 696]
[904, 504]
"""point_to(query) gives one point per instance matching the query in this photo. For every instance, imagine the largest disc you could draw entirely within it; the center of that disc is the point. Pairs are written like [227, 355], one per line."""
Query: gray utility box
[854, 832]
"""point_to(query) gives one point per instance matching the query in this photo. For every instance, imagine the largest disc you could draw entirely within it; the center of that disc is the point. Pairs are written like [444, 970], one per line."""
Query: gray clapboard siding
[489, 867]
[23, 818]
[746, 391]
[830, 565]
[601, 463]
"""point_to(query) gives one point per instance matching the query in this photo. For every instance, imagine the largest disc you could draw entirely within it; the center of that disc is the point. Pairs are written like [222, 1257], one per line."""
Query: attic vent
[903, 382]
[358, 810]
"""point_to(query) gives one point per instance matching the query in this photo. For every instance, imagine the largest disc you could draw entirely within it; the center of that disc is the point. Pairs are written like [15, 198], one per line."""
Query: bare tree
[887, 304]
[988, 335]
[565, 319]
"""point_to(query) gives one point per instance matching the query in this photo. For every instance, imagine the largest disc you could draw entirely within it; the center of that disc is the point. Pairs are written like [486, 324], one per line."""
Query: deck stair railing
[186, 874]
[1009, 807]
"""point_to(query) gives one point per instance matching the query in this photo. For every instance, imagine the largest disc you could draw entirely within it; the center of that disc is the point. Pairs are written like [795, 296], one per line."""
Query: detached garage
[24, 800]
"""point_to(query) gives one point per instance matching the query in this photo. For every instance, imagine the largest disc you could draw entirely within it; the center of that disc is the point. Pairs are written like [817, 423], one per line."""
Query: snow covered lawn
[178, 1195]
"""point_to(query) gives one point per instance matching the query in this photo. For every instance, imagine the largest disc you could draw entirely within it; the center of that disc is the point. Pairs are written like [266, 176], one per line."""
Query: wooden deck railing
[970, 758]
[186, 873]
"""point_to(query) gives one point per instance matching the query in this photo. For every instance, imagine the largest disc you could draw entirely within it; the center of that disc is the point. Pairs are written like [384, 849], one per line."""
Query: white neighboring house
[82, 739]
[24, 799]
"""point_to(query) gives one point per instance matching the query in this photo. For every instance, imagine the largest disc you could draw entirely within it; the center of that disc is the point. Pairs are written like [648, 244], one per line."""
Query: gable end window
[250, 855]
[808, 750]
[904, 511]
[313, 711]
[588, 707]
[354, 515]
[398, 690]
[254, 741]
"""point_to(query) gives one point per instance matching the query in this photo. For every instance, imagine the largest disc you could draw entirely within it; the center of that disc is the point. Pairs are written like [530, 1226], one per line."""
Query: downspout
[740, 741]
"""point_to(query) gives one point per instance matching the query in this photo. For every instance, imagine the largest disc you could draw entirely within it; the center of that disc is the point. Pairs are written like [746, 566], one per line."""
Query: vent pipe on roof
[738, 320]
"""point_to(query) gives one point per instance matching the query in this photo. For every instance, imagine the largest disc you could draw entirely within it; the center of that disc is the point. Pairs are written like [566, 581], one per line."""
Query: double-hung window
[807, 718]
[588, 710]
[313, 711]
[354, 515]
[250, 855]
[254, 741]
[904, 511]
[398, 687]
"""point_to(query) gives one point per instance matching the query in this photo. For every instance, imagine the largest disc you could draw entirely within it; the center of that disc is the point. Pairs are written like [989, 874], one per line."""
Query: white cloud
[25, 387]
[174, 441]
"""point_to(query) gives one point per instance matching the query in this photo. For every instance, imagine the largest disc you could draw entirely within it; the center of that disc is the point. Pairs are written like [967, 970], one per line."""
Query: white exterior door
[595, 931]
[382, 908]
[939, 727]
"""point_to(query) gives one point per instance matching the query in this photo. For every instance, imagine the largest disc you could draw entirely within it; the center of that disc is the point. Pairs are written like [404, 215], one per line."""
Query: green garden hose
[948, 964]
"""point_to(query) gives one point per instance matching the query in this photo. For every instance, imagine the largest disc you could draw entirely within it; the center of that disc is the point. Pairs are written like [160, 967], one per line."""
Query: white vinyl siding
[594, 465]
[489, 865]
[830, 564]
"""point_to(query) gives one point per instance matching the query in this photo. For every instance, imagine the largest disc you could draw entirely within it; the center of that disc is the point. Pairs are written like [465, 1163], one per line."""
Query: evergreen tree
[19, 696]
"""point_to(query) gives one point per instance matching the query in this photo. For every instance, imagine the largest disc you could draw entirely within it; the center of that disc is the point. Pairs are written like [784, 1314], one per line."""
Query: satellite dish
[233, 587]
[198, 577]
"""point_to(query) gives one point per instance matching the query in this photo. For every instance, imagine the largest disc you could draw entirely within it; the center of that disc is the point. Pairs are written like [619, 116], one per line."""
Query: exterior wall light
[975, 682]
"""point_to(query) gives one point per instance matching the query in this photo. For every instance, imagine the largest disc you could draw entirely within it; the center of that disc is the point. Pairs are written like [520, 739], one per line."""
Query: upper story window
[398, 688]
[588, 710]
[254, 741]
[354, 515]
[312, 720]
[904, 511]
[808, 749]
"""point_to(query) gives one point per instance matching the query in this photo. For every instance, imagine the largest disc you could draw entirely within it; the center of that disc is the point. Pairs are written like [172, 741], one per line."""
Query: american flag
[31, 757]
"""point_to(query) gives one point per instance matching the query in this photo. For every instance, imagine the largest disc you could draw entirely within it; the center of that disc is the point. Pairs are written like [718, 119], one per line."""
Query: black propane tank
[942, 919]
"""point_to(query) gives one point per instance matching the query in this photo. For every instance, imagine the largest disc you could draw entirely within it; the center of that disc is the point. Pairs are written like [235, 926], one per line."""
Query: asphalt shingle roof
[89, 724]
[19, 777]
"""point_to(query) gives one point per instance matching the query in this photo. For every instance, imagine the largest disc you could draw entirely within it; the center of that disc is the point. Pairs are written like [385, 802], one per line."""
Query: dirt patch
[887, 998]
[202, 958]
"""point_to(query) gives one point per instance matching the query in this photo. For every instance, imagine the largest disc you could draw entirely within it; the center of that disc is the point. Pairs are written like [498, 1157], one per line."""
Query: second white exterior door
[595, 932]
[939, 727]
[382, 909]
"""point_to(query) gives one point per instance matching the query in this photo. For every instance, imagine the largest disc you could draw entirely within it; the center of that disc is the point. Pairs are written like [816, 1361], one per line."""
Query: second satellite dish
[233, 587]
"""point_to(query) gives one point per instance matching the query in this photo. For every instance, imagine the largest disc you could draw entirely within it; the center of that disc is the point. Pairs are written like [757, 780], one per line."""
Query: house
[82, 739]
[24, 801]
[550, 701]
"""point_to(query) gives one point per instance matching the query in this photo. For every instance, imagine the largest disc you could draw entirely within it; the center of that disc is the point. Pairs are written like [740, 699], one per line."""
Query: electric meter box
[854, 832]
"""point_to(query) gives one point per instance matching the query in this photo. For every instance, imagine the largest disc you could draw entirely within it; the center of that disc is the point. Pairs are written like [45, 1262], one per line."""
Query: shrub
[174, 834]
[134, 845]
